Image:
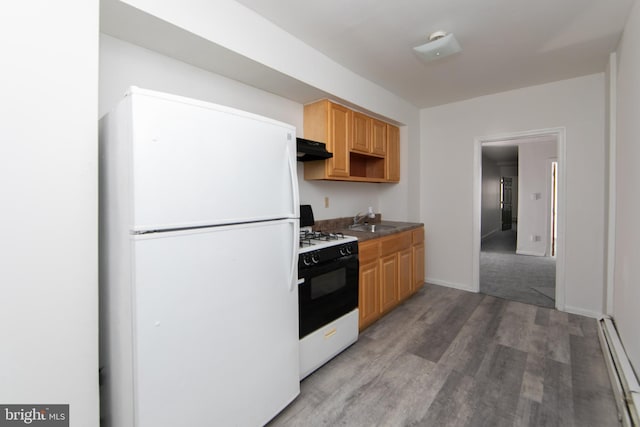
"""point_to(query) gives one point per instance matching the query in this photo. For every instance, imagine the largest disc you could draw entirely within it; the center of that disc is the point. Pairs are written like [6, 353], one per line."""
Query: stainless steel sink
[372, 228]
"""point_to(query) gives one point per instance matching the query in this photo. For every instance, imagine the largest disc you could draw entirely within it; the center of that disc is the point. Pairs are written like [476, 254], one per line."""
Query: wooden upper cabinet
[392, 160]
[362, 150]
[330, 123]
[378, 137]
[361, 133]
[339, 135]
[369, 135]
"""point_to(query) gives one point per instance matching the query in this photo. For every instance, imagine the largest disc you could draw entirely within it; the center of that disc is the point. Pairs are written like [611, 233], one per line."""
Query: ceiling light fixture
[440, 44]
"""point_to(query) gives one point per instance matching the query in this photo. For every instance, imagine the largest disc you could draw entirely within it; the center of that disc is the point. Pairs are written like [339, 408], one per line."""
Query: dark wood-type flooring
[452, 358]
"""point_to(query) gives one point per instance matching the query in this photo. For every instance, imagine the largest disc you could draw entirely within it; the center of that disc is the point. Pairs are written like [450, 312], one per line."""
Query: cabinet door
[339, 131]
[418, 266]
[404, 274]
[361, 136]
[393, 154]
[388, 282]
[378, 137]
[368, 297]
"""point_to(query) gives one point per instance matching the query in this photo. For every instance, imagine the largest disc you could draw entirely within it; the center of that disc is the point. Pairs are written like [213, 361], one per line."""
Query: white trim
[559, 134]
[449, 285]
[531, 253]
[611, 225]
[562, 220]
[616, 386]
[582, 312]
[621, 374]
[477, 215]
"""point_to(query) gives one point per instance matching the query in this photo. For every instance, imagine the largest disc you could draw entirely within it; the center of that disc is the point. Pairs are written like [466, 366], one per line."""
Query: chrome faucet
[359, 216]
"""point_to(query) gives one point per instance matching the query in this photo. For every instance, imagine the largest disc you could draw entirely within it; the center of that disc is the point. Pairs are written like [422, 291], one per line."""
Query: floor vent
[623, 379]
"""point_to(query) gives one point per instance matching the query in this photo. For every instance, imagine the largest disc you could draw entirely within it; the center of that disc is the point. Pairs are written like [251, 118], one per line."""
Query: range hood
[311, 150]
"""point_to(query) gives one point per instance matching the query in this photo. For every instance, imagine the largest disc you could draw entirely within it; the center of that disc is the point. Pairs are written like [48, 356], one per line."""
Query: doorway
[531, 243]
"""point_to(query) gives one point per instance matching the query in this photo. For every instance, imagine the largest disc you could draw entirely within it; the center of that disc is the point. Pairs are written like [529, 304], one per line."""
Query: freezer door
[216, 326]
[195, 164]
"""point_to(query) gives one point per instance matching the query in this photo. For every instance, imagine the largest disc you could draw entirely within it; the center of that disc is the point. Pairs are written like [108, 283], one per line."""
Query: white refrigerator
[198, 264]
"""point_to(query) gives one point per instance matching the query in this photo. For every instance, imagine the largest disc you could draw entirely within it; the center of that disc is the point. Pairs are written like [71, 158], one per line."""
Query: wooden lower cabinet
[418, 267]
[368, 301]
[369, 282]
[405, 284]
[388, 282]
[391, 270]
[417, 259]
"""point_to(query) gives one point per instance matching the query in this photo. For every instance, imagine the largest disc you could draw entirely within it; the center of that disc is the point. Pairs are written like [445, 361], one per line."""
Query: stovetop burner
[311, 240]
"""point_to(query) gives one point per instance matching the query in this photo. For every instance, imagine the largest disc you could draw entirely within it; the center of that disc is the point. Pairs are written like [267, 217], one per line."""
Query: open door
[554, 207]
[505, 202]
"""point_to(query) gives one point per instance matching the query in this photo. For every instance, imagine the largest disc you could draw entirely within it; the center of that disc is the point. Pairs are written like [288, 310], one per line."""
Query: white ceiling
[506, 44]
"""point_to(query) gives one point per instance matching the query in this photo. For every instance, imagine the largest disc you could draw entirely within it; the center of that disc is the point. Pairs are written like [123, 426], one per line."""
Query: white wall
[48, 170]
[626, 298]
[534, 170]
[448, 134]
[491, 212]
[225, 23]
[123, 64]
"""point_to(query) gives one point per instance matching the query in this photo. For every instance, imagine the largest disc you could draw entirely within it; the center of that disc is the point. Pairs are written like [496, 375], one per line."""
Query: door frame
[509, 139]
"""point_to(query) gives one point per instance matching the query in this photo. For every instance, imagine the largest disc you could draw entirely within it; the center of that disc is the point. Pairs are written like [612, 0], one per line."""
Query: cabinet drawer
[395, 243]
[417, 235]
[368, 251]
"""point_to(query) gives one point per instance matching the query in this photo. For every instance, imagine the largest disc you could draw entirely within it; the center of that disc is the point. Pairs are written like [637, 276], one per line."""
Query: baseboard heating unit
[623, 379]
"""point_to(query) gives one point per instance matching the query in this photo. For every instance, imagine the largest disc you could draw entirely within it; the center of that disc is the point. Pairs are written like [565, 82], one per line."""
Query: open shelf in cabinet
[365, 166]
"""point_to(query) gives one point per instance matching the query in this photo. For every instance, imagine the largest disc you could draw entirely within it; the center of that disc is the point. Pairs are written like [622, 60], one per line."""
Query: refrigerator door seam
[199, 227]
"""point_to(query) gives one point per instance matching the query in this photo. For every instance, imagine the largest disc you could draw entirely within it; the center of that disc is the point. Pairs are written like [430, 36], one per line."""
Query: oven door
[326, 292]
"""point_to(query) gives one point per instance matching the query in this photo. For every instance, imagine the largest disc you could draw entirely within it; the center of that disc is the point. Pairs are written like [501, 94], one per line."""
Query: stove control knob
[315, 257]
[346, 250]
[306, 259]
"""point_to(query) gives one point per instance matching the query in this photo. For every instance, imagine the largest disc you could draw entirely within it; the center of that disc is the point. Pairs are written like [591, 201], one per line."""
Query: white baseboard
[582, 312]
[623, 379]
[449, 284]
[530, 253]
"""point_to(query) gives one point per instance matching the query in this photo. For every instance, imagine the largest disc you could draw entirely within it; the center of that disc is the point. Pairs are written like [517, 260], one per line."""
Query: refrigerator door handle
[293, 172]
[293, 277]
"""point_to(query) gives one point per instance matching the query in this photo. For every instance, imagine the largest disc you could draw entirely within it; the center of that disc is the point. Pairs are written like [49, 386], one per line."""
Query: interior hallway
[524, 278]
[446, 357]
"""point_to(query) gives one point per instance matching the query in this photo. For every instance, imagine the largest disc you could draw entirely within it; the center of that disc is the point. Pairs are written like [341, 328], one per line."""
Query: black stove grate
[306, 237]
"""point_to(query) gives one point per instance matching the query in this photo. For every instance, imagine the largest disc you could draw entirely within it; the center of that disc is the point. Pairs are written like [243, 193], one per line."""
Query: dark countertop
[368, 235]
